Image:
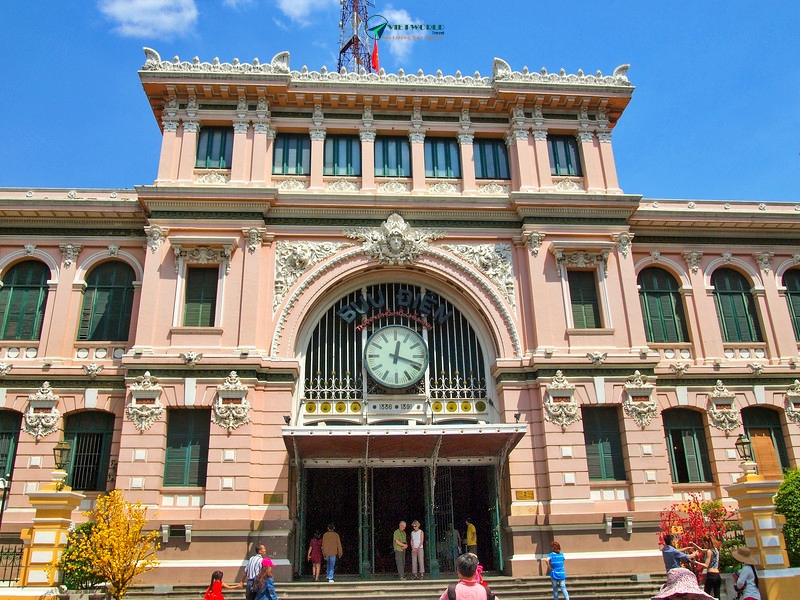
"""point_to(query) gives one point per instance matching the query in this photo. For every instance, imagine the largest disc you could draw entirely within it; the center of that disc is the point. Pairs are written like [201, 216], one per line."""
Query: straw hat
[743, 555]
[683, 584]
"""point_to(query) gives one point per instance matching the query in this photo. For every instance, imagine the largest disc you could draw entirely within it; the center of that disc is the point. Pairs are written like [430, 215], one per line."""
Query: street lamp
[61, 455]
[744, 447]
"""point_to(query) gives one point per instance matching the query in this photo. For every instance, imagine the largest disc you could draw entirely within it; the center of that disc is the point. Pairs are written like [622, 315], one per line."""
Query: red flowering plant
[694, 520]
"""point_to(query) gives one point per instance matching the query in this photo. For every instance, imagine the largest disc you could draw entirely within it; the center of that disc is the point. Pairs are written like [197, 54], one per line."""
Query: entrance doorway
[367, 510]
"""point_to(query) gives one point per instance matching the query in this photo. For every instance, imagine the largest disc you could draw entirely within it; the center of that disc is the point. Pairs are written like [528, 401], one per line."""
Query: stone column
[261, 170]
[317, 158]
[417, 139]
[170, 152]
[240, 161]
[763, 535]
[607, 161]
[543, 177]
[188, 154]
[47, 537]
[468, 185]
[367, 160]
[590, 154]
[520, 155]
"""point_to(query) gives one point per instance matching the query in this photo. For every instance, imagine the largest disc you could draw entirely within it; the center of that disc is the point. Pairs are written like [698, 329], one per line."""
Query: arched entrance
[377, 441]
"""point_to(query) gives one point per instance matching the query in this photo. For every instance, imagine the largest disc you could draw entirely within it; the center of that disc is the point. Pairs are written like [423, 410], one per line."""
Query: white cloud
[299, 10]
[236, 3]
[400, 49]
[150, 18]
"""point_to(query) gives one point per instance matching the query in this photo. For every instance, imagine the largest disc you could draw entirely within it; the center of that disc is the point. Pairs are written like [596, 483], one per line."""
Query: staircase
[585, 587]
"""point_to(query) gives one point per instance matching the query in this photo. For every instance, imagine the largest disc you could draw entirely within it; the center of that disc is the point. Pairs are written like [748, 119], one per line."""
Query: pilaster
[188, 154]
[367, 160]
[467, 163]
[317, 158]
[417, 140]
[544, 178]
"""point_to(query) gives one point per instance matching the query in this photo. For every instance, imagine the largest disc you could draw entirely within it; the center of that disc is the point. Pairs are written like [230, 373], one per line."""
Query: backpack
[451, 592]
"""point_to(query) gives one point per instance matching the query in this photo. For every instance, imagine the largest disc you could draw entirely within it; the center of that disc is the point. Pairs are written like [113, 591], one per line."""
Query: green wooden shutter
[583, 297]
[10, 424]
[603, 443]
[186, 461]
[23, 297]
[201, 296]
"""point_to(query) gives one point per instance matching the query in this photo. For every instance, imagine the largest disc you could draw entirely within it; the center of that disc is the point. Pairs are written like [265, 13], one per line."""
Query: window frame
[214, 140]
[450, 150]
[81, 430]
[29, 323]
[792, 292]
[402, 156]
[120, 299]
[692, 430]
[180, 445]
[663, 311]
[603, 422]
[300, 144]
[492, 151]
[578, 318]
[736, 308]
[10, 427]
[335, 146]
[566, 149]
[209, 312]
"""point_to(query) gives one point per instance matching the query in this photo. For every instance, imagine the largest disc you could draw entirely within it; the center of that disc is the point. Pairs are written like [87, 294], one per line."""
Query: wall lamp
[744, 447]
[287, 419]
[61, 455]
[517, 416]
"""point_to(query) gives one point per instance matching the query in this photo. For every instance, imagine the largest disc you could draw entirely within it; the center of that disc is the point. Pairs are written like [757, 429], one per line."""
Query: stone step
[587, 587]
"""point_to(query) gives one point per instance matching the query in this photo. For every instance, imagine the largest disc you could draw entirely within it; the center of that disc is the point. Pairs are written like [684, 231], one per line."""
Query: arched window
[735, 307]
[22, 300]
[763, 427]
[89, 436]
[107, 303]
[10, 423]
[686, 445]
[662, 306]
[791, 281]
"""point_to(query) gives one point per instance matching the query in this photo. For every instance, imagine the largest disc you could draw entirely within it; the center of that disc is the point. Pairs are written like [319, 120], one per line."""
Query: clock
[396, 356]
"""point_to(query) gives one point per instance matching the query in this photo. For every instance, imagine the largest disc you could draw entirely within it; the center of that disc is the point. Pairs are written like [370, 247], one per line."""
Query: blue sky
[715, 114]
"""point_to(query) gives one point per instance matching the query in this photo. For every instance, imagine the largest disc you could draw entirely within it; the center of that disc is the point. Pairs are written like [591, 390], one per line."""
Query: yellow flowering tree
[118, 549]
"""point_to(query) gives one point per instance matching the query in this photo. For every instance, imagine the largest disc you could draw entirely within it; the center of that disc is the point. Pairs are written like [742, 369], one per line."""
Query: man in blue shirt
[673, 556]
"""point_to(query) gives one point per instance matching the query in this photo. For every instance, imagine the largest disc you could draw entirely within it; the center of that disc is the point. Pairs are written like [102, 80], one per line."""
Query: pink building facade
[362, 299]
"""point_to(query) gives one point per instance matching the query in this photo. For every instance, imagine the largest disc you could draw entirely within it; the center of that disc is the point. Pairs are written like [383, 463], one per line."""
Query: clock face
[396, 356]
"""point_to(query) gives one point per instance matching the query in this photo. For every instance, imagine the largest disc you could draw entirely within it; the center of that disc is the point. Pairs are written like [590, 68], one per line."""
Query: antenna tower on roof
[354, 50]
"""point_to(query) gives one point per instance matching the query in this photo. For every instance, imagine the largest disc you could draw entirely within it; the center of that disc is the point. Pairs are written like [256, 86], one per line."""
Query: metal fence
[10, 563]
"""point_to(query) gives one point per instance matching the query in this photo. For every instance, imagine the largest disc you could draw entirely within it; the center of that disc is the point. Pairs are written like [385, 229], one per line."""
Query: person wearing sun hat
[745, 582]
[681, 585]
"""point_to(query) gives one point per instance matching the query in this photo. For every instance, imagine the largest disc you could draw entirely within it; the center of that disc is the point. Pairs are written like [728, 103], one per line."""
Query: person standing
[214, 591]
[315, 554]
[331, 549]
[713, 581]
[454, 542]
[252, 570]
[468, 587]
[400, 543]
[417, 550]
[471, 537]
[264, 585]
[745, 582]
[558, 576]
[672, 556]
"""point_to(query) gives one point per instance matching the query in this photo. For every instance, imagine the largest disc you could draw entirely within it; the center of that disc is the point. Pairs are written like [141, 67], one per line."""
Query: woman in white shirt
[746, 580]
[417, 550]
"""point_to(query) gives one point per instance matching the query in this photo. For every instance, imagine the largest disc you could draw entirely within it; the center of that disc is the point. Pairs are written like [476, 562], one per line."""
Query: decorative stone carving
[144, 408]
[680, 369]
[212, 178]
[727, 257]
[155, 237]
[416, 117]
[560, 406]
[580, 259]
[191, 126]
[113, 250]
[534, 241]
[241, 126]
[465, 138]
[92, 370]
[416, 137]
[655, 256]
[342, 185]
[5, 368]
[639, 403]
[604, 136]
[568, 185]
[317, 135]
[170, 125]
[254, 238]
[231, 408]
[444, 187]
[367, 135]
[292, 185]
[793, 402]
[796, 258]
[292, 259]
[41, 417]
[493, 260]
[203, 255]
[585, 136]
[191, 358]
[393, 187]
[721, 411]
[70, 253]
[31, 248]
[395, 242]
[597, 358]
[756, 368]
[692, 258]
[623, 241]
[494, 189]
[764, 260]
[539, 134]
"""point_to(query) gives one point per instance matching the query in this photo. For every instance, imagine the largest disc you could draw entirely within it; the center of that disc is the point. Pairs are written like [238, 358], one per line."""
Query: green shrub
[76, 567]
[787, 503]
